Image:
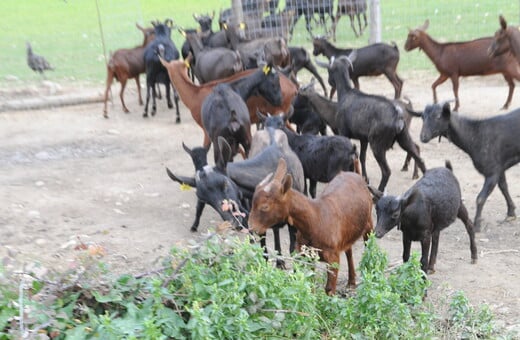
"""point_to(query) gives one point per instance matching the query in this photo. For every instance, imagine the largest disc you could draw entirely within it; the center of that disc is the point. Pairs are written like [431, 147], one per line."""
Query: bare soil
[70, 177]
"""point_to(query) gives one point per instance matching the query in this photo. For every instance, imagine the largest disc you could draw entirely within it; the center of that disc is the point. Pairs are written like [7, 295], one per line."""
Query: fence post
[375, 21]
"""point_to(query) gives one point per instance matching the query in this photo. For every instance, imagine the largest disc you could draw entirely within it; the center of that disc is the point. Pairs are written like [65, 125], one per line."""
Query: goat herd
[242, 82]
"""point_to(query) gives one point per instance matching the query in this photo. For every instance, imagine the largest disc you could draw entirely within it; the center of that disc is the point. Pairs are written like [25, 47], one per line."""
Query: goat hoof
[431, 271]
[280, 264]
[105, 115]
[473, 261]
[193, 229]
[178, 120]
[404, 168]
[510, 218]
[145, 115]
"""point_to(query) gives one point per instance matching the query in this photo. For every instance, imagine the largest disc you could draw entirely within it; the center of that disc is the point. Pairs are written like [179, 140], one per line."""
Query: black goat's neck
[330, 50]
[461, 131]
[326, 108]
[245, 87]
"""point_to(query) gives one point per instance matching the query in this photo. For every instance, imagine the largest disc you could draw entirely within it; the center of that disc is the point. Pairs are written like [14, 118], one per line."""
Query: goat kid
[331, 223]
[429, 206]
[127, 63]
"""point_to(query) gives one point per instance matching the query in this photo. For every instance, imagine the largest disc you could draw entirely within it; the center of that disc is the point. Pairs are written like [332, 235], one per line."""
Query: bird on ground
[37, 62]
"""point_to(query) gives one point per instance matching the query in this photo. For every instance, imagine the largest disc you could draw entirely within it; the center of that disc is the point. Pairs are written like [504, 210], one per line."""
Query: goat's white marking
[267, 188]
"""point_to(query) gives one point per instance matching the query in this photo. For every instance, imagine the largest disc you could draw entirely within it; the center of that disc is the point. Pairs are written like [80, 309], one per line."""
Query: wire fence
[76, 35]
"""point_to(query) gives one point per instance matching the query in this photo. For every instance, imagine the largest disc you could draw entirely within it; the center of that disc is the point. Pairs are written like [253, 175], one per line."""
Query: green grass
[67, 32]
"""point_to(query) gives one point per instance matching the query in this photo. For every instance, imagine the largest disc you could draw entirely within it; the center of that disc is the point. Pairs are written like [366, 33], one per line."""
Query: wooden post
[375, 21]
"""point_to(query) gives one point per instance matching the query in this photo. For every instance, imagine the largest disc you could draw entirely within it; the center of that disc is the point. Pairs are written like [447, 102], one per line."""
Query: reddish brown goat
[459, 59]
[193, 95]
[127, 63]
[331, 222]
[506, 39]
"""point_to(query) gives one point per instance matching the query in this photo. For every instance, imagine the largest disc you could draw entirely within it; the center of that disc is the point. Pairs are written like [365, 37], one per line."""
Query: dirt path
[67, 174]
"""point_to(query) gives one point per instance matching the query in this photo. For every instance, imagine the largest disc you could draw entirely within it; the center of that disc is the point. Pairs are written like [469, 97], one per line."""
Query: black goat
[212, 63]
[300, 59]
[352, 8]
[371, 119]
[372, 60]
[491, 143]
[225, 114]
[212, 187]
[305, 117]
[429, 206]
[162, 46]
[322, 157]
[323, 8]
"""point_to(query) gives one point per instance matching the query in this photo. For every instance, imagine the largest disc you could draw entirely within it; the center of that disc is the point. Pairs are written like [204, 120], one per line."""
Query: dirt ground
[67, 175]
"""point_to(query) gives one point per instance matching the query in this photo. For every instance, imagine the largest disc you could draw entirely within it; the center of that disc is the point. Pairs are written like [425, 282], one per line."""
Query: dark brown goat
[332, 223]
[192, 95]
[506, 39]
[460, 59]
[127, 63]
[352, 8]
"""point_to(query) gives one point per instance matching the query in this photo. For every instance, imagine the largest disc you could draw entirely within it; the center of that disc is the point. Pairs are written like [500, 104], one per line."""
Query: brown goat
[127, 63]
[506, 39]
[459, 59]
[193, 95]
[332, 223]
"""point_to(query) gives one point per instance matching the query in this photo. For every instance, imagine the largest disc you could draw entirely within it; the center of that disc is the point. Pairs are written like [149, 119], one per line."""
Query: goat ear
[408, 198]
[446, 111]
[281, 170]
[181, 179]
[287, 183]
[502, 21]
[225, 153]
[375, 193]
[188, 150]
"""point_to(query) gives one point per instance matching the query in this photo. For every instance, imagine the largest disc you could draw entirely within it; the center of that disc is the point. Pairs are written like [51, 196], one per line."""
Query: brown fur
[332, 223]
[506, 39]
[127, 63]
[459, 59]
[193, 95]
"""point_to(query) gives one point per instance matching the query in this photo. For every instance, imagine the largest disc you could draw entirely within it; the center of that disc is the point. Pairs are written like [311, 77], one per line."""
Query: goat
[36, 62]
[507, 38]
[323, 8]
[225, 114]
[372, 60]
[162, 46]
[212, 63]
[429, 206]
[371, 119]
[193, 95]
[332, 222]
[322, 157]
[269, 50]
[299, 59]
[305, 117]
[491, 143]
[460, 59]
[212, 187]
[127, 63]
[351, 8]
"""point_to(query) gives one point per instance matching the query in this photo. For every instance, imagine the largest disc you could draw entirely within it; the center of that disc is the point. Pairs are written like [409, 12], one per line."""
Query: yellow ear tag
[198, 30]
[266, 69]
[224, 26]
[187, 64]
[242, 26]
[185, 187]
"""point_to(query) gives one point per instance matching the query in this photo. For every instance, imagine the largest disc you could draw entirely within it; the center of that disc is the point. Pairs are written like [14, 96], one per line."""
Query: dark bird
[37, 62]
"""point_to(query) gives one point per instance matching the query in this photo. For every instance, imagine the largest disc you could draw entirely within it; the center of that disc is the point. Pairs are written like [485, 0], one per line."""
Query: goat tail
[448, 165]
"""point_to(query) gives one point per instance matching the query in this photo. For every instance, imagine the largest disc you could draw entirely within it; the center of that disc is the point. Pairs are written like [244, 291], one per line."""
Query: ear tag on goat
[242, 26]
[266, 69]
[185, 187]
[187, 64]
[224, 26]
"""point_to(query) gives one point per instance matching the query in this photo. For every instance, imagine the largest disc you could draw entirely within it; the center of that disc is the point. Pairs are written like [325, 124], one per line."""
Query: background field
[68, 32]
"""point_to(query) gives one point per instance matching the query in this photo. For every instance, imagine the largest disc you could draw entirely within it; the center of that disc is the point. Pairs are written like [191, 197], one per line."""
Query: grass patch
[68, 34]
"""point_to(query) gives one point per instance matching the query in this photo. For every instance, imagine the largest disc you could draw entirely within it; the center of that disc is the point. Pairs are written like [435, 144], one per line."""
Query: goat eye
[395, 215]
[264, 207]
